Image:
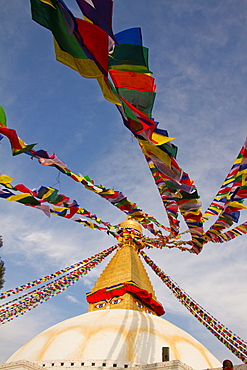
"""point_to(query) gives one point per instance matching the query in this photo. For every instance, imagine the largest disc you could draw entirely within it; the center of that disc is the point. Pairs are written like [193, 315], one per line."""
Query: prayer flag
[130, 36]
[99, 12]
[2, 117]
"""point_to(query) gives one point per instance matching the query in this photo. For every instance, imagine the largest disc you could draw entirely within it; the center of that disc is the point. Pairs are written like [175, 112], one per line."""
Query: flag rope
[19, 306]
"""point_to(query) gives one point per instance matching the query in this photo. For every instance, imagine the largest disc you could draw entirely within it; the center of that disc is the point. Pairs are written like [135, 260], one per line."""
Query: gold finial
[129, 223]
[126, 240]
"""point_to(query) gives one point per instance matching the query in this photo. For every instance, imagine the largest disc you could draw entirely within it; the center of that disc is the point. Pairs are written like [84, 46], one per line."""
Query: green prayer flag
[53, 19]
[129, 57]
[170, 149]
[3, 120]
[142, 100]
[29, 200]
[128, 112]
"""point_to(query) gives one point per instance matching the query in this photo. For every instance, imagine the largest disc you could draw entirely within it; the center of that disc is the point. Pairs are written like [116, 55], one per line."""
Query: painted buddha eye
[116, 301]
[100, 305]
[139, 304]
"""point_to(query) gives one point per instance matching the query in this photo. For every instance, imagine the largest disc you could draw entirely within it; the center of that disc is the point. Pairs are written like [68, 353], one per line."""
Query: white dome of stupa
[123, 336]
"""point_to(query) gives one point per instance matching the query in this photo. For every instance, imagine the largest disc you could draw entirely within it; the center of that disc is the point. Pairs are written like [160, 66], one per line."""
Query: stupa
[122, 328]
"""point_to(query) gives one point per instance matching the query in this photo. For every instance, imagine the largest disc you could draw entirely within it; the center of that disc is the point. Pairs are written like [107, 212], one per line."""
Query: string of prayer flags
[18, 145]
[230, 234]
[36, 282]
[62, 205]
[234, 181]
[175, 198]
[67, 208]
[136, 90]
[225, 220]
[233, 342]
[229, 200]
[116, 198]
[170, 205]
[21, 305]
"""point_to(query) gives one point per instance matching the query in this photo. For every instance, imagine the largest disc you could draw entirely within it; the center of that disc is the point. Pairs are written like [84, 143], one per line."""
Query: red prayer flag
[132, 80]
[95, 41]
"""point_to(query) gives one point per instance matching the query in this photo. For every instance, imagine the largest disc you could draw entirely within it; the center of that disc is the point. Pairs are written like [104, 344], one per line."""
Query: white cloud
[72, 298]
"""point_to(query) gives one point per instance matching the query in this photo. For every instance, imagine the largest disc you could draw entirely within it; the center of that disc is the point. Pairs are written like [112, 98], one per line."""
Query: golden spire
[125, 269]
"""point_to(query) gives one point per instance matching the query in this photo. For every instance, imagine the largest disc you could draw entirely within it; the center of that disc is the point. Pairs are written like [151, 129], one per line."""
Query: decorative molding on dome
[99, 365]
[20, 365]
[104, 364]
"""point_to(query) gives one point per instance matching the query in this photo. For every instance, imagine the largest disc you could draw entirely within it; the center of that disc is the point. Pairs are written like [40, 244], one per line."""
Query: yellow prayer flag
[78, 178]
[161, 139]
[59, 209]
[108, 192]
[229, 180]
[86, 67]
[5, 179]
[238, 160]
[235, 232]
[221, 196]
[240, 173]
[151, 165]
[106, 91]
[22, 143]
[244, 180]
[17, 197]
[217, 209]
[148, 149]
[237, 205]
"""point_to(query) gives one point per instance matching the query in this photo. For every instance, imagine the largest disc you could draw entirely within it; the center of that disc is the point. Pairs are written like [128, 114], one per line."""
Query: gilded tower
[124, 283]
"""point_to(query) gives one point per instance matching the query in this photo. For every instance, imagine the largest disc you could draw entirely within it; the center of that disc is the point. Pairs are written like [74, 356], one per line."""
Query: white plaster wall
[124, 336]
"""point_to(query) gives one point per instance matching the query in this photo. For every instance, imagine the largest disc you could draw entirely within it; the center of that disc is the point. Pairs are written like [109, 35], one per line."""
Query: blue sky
[198, 56]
